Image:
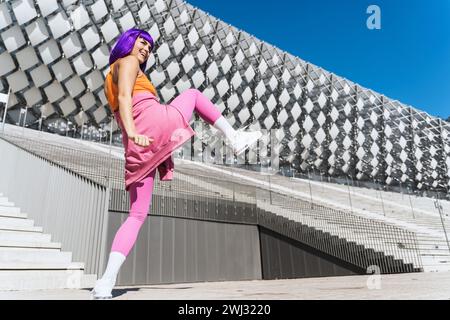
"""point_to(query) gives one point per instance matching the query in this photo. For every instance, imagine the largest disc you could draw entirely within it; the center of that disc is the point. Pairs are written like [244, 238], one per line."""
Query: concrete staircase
[423, 218]
[29, 260]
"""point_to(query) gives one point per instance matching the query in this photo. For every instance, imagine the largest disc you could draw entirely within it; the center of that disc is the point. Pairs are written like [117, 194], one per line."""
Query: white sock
[115, 261]
[223, 125]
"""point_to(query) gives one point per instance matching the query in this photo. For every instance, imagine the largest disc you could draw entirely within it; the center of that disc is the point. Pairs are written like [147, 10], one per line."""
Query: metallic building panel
[174, 250]
[325, 124]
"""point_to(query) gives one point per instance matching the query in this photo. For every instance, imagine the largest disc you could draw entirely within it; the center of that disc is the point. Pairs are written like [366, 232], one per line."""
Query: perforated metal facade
[54, 56]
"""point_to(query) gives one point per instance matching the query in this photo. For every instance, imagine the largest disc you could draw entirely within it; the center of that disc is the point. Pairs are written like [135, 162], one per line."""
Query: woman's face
[141, 49]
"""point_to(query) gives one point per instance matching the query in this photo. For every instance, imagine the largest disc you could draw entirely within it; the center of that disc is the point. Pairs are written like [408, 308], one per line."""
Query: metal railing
[220, 195]
[69, 206]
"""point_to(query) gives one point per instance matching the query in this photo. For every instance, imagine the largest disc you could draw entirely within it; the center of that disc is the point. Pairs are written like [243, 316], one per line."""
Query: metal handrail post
[4, 113]
[103, 248]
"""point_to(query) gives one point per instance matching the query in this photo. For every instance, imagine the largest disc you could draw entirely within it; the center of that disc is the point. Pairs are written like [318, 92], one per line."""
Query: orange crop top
[142, 84]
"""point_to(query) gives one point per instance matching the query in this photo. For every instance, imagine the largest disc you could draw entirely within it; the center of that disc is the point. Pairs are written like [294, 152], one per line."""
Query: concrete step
[432, 220]
[4, 201]
[429, 240]
[435, 258]
[8, 207]
[434, 225]
[45, 279]
[15, 222]
[42, 266]
[436, 252]
[436, 268]
[29, 244]
[428, 246]
[415, 244]
[435, 235]
[406, 250]
[13, 215]
[26, 236]
[37, 255]
[34, 229]
[426, 250]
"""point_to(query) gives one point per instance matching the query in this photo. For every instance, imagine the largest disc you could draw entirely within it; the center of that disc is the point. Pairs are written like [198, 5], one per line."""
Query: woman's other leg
[140, 201]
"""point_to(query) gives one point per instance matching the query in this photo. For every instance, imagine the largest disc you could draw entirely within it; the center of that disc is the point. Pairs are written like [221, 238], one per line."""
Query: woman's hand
[141, 140]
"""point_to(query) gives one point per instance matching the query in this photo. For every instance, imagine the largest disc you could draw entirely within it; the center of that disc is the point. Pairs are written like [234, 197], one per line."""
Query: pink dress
[166, 125]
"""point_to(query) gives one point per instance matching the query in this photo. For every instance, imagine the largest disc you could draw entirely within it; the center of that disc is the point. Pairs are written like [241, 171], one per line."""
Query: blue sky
[407, 60]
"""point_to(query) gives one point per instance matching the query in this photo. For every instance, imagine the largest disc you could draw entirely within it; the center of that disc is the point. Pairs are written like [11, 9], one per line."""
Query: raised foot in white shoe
[244, 140]
[102, 289]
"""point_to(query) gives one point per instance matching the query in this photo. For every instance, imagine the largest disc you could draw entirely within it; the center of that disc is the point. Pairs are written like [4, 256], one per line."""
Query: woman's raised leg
[192, 99]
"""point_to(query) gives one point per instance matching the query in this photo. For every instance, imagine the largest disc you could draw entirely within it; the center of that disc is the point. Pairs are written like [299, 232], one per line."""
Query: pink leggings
[141, 191]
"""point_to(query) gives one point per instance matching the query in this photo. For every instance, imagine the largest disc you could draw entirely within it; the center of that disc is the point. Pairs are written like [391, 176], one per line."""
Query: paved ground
[400, 286]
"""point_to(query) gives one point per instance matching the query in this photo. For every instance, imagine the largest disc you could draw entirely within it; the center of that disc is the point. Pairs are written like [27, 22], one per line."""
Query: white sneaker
[243, 140]
[102, 289]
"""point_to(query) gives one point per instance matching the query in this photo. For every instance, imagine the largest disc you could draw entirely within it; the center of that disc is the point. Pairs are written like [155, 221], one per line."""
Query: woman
[151, 132]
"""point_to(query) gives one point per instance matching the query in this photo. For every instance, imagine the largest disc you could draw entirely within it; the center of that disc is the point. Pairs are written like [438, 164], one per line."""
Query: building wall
[177, 250]
[174, 250]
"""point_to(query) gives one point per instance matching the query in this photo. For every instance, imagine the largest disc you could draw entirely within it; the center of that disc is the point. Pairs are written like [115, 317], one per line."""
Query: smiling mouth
[143, 55]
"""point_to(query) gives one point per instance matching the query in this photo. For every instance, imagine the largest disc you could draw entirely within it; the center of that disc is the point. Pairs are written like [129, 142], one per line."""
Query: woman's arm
[128, 69]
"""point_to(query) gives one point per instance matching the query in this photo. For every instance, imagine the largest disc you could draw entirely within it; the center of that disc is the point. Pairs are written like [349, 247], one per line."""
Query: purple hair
[125, 44]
